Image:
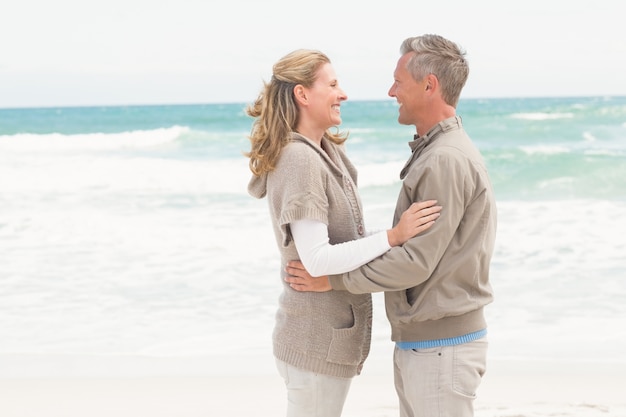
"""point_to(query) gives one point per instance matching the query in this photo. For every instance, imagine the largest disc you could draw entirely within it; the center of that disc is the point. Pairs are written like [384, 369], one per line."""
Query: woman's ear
[299, 93]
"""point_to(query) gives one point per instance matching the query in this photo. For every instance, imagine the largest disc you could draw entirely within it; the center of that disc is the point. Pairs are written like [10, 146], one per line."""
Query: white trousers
[313, 395]
[439, 382]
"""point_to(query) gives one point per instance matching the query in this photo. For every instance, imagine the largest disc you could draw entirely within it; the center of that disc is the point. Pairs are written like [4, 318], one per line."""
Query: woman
[320, 340]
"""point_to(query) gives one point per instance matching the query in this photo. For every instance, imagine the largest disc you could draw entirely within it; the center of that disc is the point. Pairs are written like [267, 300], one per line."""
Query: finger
[298, 272]
[292, 279]
[427, 212]
[430, 210]
[428, 219]
[423, 204]
[299, 287]
[431, 217]
[295, 264]
[422, 227]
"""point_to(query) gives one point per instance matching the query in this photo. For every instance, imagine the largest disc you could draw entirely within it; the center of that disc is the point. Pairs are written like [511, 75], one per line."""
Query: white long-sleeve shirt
[319, 257]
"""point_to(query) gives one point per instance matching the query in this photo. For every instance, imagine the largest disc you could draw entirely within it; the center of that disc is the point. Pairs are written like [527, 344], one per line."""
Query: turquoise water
[535, 148]
[129, 231]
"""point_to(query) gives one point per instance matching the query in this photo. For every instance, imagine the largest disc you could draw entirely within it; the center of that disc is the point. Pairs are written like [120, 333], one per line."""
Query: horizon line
[244, 103]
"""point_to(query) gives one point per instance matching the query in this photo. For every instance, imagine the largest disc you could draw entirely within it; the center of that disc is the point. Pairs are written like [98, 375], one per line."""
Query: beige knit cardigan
[329, 332]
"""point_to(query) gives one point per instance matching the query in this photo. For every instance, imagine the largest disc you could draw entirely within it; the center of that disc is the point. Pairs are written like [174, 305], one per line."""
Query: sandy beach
[124, 292]
[510, 389]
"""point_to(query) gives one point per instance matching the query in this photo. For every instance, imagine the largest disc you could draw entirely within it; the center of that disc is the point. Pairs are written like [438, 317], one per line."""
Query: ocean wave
[386, 173]
[115, 178]
[544, 149]
[135, 139]
[542, 116]
[589, 137]
[606, 152]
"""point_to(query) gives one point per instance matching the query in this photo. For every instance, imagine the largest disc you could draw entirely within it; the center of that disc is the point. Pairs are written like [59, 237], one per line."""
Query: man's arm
[385, 273]
[412, 263]
[440, 177]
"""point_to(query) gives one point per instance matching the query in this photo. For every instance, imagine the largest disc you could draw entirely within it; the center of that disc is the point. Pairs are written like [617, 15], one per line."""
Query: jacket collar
[419, 143]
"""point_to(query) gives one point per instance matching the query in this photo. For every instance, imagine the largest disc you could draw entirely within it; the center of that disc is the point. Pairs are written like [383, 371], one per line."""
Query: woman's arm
[321, 258]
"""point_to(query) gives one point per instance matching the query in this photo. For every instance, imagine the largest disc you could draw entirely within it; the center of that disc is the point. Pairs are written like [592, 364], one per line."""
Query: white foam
[56, 142]
[544, 149]
[542, 116]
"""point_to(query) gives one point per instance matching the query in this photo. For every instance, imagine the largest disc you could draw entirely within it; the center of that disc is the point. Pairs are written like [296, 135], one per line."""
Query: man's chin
[403, 121]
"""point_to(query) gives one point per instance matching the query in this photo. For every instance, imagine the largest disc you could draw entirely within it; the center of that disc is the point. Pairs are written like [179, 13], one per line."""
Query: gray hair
[434, 54]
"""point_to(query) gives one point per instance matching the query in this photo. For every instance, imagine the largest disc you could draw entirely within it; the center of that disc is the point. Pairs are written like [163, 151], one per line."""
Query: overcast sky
[82, 52]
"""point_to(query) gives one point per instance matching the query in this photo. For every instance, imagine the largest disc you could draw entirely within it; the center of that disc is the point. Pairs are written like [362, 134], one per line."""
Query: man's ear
[299, 92]
[431, 82]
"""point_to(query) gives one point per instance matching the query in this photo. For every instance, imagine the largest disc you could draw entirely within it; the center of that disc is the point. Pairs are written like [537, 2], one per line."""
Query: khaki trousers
[441, 381]
[313, 395]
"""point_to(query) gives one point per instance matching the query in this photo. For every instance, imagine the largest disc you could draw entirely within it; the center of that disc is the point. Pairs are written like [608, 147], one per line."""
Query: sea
[129, 243]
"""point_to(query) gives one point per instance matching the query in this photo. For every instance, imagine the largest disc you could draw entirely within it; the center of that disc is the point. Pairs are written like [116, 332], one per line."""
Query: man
[437, 284]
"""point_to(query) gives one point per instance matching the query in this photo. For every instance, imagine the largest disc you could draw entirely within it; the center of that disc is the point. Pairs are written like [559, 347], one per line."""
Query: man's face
[407, 92]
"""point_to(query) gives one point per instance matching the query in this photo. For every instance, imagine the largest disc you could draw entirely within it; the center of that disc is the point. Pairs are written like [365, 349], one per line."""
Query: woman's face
[325, 97]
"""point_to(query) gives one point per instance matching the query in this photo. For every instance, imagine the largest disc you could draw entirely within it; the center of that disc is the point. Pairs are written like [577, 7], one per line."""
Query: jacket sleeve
[413, 263]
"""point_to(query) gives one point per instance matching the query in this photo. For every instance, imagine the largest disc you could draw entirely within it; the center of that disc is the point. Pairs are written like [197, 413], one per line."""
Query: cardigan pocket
[348, 345]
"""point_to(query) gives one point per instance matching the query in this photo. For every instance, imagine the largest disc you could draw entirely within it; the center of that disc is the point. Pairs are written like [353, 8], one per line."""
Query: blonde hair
[276, 112]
